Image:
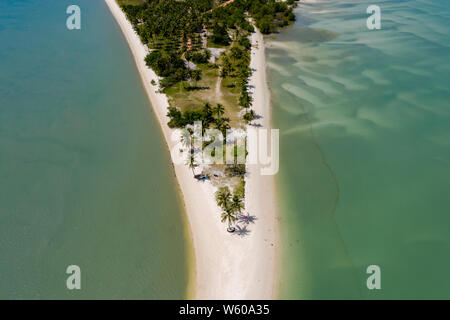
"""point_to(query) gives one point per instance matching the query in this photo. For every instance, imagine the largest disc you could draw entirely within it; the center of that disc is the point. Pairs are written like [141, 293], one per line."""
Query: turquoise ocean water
[365, 149]
[85, 178]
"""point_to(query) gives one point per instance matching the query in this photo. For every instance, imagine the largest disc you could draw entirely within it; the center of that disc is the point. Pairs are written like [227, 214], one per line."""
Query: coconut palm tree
[222, 124]
[219, 110]
[249, 116]
[207, 112]
[218, 123]
[236, 205]
[227, 67]
[236, 53]
[191, 162]
[207, 109]
[223, 197]
[196, 75]
[186, 138]
[229, 217]
[245, 100]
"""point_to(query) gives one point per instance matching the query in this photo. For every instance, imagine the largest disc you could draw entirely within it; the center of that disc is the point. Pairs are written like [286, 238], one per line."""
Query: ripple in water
[364, 164]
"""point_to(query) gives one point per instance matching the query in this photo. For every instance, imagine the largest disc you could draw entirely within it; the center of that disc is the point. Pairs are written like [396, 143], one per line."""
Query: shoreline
[226, 266]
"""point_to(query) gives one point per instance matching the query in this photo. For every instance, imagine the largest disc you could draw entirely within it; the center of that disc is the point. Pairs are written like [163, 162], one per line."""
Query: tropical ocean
[84, 170]
[364, 122]
[364, 118]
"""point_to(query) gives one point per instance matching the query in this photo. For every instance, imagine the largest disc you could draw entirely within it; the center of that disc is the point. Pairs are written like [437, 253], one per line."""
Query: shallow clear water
[365, 149]
[85, 176]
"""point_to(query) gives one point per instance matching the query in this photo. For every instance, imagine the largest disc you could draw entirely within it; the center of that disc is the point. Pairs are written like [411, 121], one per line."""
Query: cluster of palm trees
[237, 65]
[195, 75]
[220, 122]
[232, 206]
[186, 140]
[208, 115]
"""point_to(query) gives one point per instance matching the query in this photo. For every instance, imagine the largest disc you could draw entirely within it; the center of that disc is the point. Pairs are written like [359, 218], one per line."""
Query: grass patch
[193, 99]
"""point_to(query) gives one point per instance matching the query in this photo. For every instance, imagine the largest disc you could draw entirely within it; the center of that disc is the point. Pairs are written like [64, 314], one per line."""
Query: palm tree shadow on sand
[242, 224]
[246, 219]
[241, 231]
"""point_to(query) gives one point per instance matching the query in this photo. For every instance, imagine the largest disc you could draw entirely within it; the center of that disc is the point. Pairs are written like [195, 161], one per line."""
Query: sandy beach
[227, 266]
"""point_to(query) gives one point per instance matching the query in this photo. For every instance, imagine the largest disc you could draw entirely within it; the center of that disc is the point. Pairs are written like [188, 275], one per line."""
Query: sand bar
[226, 266]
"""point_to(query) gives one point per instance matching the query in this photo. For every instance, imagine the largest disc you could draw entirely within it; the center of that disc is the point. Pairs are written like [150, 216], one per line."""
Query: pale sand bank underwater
[364, 161]
[226, 266]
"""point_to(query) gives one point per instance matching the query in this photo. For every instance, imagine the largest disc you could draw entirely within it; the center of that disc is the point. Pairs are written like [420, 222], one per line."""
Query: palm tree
[230, 218]
[243, 84]
[237, 205]
[243, 72]
[223, 197]
[219, 123]
[191, 162]
[196, 76]
[236, 53]
[227, 67]
[246, 60]
[245, 100]
[222, 124]
[219, 110]
[207, 115]
[186, 139]
[207, 108]
[249, 116]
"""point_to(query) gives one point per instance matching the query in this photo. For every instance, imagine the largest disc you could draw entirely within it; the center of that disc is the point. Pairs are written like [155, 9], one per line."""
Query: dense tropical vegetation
[172, 28]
